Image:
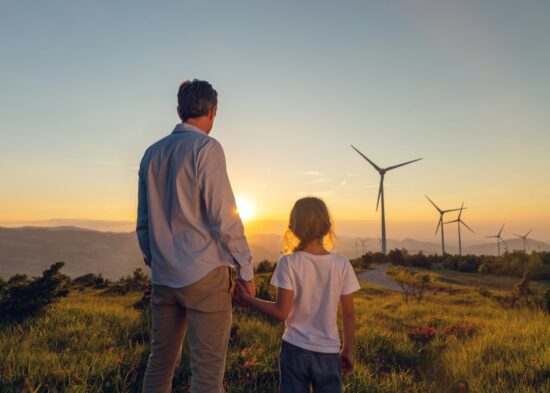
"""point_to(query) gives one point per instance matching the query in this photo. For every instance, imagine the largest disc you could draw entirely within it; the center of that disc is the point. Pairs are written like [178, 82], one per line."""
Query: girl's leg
[294, 369]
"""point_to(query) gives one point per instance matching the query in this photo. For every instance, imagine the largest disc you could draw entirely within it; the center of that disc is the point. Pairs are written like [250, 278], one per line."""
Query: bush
[137, 282]
[523, 296]
[463, 263]
[399, 257]
[91, 280]
[413, 284]
[265, 267]
[23, 298]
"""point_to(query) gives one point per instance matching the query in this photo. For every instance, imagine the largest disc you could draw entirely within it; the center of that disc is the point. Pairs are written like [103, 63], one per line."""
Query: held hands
[243, 292]
[346, 360]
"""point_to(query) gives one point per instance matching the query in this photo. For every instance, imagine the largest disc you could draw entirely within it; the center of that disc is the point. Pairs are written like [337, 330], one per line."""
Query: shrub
[419, 260]
[23, 298]
[91, 280]
[265, 267]
[413, 284]
[137, 282]
[398, 257]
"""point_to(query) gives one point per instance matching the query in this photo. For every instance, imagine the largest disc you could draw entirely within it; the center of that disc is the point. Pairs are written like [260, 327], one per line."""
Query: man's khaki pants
[204, 310]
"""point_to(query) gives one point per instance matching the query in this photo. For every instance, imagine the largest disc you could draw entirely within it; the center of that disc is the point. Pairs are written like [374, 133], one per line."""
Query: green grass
[93, 343]
[490, 281]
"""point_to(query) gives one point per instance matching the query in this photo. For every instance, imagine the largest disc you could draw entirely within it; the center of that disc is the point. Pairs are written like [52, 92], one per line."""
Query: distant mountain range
[31, 250]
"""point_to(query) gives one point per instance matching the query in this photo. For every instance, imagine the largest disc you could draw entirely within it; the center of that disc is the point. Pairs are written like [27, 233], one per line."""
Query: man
[190, 233]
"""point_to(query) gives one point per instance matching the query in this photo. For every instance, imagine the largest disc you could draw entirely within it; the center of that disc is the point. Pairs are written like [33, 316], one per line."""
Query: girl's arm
[278, 309]
[348, 319]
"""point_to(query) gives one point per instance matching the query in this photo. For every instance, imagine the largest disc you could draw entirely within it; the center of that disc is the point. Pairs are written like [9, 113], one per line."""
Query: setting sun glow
[245, 208]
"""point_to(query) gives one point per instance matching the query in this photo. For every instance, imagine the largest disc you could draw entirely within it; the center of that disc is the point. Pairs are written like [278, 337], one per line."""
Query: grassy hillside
[89, 342]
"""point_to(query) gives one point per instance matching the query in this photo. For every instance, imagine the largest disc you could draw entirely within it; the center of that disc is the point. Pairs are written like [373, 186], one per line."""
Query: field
[89, 342]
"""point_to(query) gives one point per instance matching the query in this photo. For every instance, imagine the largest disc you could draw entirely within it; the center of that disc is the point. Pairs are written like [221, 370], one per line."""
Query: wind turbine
[459, 221]
[382, 172]
[440, 222]
[499, 238]
[363, 243]
[379, 241]
[524, 238]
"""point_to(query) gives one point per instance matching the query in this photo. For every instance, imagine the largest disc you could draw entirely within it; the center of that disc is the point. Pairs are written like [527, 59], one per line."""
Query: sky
[86, 87]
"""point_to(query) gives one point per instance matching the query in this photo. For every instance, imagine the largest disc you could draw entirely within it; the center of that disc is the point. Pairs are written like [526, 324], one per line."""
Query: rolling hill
[31, 250]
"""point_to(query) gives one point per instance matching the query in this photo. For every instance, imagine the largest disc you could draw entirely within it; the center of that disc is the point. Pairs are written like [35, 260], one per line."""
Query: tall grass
[93, 343]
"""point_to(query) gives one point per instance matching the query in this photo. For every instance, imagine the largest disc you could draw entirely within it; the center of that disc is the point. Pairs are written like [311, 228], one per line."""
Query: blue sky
[87, 86]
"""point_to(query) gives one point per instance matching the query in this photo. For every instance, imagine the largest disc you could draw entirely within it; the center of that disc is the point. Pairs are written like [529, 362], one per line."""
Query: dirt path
[378, 276]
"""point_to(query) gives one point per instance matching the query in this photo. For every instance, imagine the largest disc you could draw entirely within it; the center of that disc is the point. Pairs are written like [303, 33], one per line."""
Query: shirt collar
[182, 127]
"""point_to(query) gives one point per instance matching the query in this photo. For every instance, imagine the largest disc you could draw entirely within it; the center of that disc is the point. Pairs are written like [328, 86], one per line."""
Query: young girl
[311, 282]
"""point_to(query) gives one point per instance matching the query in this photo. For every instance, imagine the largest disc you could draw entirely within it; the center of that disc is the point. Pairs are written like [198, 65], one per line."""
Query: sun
[245, 208]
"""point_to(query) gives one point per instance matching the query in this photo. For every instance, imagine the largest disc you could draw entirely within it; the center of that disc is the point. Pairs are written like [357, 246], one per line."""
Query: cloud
[320, 180]
[106, 163]
[342, 183]
[311, 173]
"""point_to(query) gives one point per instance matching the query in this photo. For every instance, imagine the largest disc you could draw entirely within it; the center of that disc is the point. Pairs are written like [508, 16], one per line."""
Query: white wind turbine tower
[440, 222]
[459, 222]
[499, 239]
[524, 238]
[382, 172]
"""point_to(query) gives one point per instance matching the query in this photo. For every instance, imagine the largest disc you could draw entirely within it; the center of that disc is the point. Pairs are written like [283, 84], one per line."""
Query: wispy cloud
[342, 183]
[319, 181]
[311, 173]
[106, 163]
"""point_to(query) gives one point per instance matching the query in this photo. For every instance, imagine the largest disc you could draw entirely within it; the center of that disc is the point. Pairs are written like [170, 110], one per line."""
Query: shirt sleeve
[224, 221]
[281, 277]
[142, 226]
[349, 279]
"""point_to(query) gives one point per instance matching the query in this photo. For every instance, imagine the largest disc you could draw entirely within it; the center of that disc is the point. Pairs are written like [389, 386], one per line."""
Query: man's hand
[346, 360]
[246, 288]
[249, 286]
[243, 295]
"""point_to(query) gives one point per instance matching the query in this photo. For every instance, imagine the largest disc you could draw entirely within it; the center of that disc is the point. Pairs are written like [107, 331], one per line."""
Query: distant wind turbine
[459, 221]
[440, 222]
[382, 172]
[363, 243]
[524, 239]
[499, 239]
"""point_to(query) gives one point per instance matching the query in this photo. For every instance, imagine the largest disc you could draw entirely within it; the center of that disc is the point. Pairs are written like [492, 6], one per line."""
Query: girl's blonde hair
[309, 221]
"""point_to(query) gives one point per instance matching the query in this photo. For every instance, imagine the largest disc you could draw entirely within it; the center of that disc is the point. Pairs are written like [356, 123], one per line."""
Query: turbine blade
[380, 191]
[449, 222]
[438, 209]
[501, 228]
[366, 158]
[527, 234]
[517, 235]
[461, 208]
[438, 225]
[398, 165]
[451, 210]
[466, 225]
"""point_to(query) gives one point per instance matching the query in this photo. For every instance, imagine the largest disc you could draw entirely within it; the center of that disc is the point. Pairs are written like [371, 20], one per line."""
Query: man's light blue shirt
[187, 216]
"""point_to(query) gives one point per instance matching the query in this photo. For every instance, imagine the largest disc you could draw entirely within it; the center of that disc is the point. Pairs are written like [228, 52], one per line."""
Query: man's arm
[221, 209]
[142, 227]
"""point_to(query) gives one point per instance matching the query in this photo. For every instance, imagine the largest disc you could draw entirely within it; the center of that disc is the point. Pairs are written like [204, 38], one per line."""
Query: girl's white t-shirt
[318, 281]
